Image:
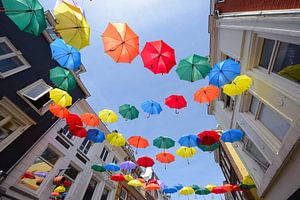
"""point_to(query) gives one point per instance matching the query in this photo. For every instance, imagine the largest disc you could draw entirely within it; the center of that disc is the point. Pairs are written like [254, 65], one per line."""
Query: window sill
[83, 154]
[67, 140]
[24, 191]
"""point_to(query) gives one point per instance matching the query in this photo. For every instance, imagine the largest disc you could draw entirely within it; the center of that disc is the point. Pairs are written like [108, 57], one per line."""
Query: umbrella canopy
[141, 180]
[153, 181]
[90, 119]
[95, 135]
[202, 191]
[224, 72]
[165, 157]
[291, 72]
[152, 186]
[186, 152]
[75, 125]
[28, 15]
[151, 107]
[176, 102]
[28, 174]
[60, 97]
[163, 142]
[209, 147]
[218, 190]
[210, 187]
[188, 140]
[40, 174]
[72, 26]
[128, 177]
[117, 177]
[116, 139]
[232, 135]
[135, 183]
[71, 2]
[120, 42]
[145, 161]
[206, 94]
[60, 189]
[112, 167]
[247, 180]
[58, 110]
[128, 111]
[108, 116]
[228, 187]
[193, 68]
[178, 187]
[62, 78]
[98, 168]
[239, 85]
[186, 191]
[158, 57]
[208, 137]
[127, 165]
[170, 190]
[138, 142]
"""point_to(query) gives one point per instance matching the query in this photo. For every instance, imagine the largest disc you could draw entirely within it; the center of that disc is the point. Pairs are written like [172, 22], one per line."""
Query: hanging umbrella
[58, 110]
[232, 135]
[29, 175]
[62, 78]
[112, 167]
[141, 180]
[151, 107]
[195, 187]
[165, 157]
[60, 189]
[218, 190]
[147, 174]
[193, 68]
[239, 85]
[28, 15]
[224, 72]
[138, 142]
[120, 42]
[210, 187]
[135, 183]
[145, 161]
[128, 112]
[60, 97]
[72, 26]
[95, 135]
[209, 148]
[117, 177]
[75, 126]
[208, 137]
[186, 152]
[163, 142]
[236, 187]
[158, 57]
[108, 116]
[40, 174]
[176, 102]
[178, 187]
[161, 184]
[153, 181]
[170, 190]
[127, 165]
[116, 139]
[152, 186]
[228, 187]
[128, 177]
[186, 191]
[247, 180]
[98, 168]
[291, 72]
[206, 94]
[188, 140]
[202, 191]
[89, 119]
[71, 2]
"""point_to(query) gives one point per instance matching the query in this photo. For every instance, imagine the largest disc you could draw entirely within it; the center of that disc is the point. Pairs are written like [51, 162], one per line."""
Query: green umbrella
[163, 142]
[209, 147]
[246, 187]
[193, 68]
[128, 112]
[98, 168]
[195, 187]
[28, 15]
[202, 191]
[62, 78]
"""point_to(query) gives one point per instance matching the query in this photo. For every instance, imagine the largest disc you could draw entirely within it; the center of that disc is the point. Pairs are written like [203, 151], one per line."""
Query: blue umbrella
[224, 72]
[178, 187]
[66, 55]
[151, 107]
[127, 165]
[232, 135]
[170, 190]
[95, 135]
[112, 167]
[189, 140]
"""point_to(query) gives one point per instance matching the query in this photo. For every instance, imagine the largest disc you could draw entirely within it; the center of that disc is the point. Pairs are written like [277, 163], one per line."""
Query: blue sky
[183, 26]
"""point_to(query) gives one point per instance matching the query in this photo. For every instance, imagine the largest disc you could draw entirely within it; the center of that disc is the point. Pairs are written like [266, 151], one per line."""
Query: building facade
[264, 38]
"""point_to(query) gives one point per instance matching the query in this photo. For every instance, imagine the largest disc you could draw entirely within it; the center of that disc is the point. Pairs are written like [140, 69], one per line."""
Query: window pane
[90, 190]
[87, 148]
[253, 105]
[105, 194]
[4, 48]
[274, 122]
[72, 172]
[253, 151]
[50, 156]
[105, 156]
[83, 144]
[37, 91]
[266, 53]
[287, 63]
[9, 64]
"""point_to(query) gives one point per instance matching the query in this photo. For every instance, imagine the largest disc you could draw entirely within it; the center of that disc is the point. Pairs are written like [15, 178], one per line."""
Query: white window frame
[115, 160]
[85, 146]
[126, 193]
[75, 167]
[14, 53]
[104, 149]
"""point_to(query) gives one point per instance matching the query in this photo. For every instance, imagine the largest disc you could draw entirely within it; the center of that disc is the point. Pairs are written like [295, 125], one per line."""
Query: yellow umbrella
[72, 26]
[210, 187]
[239, 85]
[128, 177]
[108, 116]
[60, 189]
[291, 72]
[135, 183]
[186, 191]
[247, 180]
[116, 139]
[186, 152]
[60, 97]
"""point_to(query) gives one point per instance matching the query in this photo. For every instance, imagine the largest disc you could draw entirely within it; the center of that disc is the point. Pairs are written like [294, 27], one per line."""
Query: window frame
[115, 160]
[102, 155]
[82, 150]
[126, 194]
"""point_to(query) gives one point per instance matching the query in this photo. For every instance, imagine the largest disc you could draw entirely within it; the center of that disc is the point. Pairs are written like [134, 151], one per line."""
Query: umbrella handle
[148, 116]
[176, 111]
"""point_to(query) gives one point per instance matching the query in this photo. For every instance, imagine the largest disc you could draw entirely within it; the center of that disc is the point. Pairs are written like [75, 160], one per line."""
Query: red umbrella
[153, 181]
[118, 177]
[75, 125]
[29, 174]
[208, 137]
[145, 161]
[78, 131]
[176, 101]
[219, 190]
[236, 187]
[158, 57]
[228, 187]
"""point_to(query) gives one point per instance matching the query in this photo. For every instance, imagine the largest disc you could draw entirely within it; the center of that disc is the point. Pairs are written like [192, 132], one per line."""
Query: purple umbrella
[41, 174]
[127, 165]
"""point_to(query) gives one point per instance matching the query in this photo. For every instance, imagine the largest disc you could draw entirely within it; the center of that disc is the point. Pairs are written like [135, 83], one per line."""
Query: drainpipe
[258, 13]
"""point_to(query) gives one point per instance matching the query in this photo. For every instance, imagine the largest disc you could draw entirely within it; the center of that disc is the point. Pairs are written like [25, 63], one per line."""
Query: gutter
[258, 13]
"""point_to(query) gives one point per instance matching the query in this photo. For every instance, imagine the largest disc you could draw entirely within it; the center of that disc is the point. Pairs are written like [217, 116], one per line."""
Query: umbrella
[71, 25]
[178, 187]
[208, 137]
[127, 165]
[29, 175]
[66, 55]
[224, 72]
[195, 187]
[209, 147]
[210, 187]
[163, 142]
[152, 186]
[202, 191]
[138, 142]
[90, 119]
[158, 57]
[161, 184]
[176, 102]
[170, 190]
[141, 180]
[62, 78]
[112, 167]
[291, 72]
[135, 183]
[117, 177]
[95, 135]
[60, 189]
[116, 139]
[206, 94]
[153, 181]
[75, 125]
[120, 42]
[58, 110]
[147, 174]
[239, 85]
[188, 140]
[186, 152]
[151, 107]
[108, 116]
[247, 180]
[128, 177]
[218, 190]
[60, 97]
[228, 187]
[236, 187]
[165, 157]
[193, 68]
[71, 2]
[186, 191]
[232, 135]
[128, 112]
[145, 161]
[98, 168]
[28, 15]
[40, 174]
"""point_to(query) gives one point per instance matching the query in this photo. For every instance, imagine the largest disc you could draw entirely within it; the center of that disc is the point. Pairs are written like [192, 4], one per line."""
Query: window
[131, 197]
[85, 146]
[88, 195]
[11, 60]
[104, 154]
[228, 101]
[115, 160]
[49, 33]
[71, 173]
[123, 194]
[37, 96]
[105, 194]
[65, 131]
[37, 172]
[220, 1]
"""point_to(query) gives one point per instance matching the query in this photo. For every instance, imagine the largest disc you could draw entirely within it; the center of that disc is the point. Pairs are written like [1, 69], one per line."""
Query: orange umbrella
[141, 180]
[165, 157]
[58, 110]
[120, 42]
[152, 186]
[138, 142]
[206, 94]
[89, 119]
